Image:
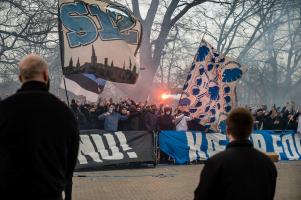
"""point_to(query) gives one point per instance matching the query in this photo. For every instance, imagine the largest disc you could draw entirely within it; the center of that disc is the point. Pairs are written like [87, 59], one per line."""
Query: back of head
[153, 107]
[240, 123]
[133, 108]
[33, 68]
[167, 110]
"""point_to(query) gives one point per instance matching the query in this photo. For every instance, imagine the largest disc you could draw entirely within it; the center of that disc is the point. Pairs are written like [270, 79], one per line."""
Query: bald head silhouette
[33, 68]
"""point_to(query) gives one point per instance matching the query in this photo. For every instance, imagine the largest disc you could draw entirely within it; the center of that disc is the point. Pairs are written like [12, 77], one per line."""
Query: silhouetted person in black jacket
[39, 139]
[240, 172]
[166, 121]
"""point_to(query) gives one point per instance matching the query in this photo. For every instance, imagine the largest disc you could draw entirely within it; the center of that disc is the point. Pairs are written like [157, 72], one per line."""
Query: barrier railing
[102, 148]
[185, 147]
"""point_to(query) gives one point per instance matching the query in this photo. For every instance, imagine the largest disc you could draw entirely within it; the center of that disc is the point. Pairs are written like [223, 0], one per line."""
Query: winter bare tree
[27, 26]
[263, 35]
[160, 20]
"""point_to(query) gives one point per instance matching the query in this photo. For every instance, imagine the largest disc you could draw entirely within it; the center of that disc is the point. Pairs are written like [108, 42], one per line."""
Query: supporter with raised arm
[293, 122]
[150, 118]
[166, 121]
[181, 120]
[135, 118]
[124, 125]
[111, 118]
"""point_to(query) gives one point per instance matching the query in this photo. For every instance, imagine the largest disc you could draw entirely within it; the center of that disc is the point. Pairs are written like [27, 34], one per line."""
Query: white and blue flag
[209, 92]
[99, 39]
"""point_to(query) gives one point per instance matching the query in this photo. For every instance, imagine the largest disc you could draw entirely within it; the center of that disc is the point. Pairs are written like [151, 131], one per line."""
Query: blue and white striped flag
[209, 93]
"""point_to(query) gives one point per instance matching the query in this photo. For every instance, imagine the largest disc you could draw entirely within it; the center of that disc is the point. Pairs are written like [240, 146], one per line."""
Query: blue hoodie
[111, 120]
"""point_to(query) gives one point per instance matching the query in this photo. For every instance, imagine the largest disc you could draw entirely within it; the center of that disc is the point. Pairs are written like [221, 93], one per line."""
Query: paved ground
[167, 183]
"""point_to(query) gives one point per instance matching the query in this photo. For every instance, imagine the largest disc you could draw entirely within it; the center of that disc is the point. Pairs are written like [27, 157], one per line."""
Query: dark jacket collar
[240, 143]
[33, 86]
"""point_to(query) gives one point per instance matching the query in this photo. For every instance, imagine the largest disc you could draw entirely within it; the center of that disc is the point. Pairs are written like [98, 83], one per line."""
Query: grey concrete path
[167, 183]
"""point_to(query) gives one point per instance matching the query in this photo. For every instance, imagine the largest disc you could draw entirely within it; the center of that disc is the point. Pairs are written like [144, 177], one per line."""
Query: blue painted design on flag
[227, 89]
[212, 81]
[192, 110]
[231, 75]
[207, 108]
[202, 53]
[210, 67]
[195, 91]
[188, 77]
[213, 92]
[198, 104]
[199, 81]
[222, 127]
[202, 70]
[227, 99]
[185, 86]
[213, 112]
[192, 66]
[185, 102]
[228, 108]
[202, 116]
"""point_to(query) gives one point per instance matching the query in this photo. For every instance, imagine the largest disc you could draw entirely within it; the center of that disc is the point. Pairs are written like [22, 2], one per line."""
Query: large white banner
[189, 146]
[99, 37]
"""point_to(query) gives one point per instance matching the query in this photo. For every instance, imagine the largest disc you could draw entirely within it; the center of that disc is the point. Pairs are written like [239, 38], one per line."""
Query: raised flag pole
[61, 41]
[66, 91]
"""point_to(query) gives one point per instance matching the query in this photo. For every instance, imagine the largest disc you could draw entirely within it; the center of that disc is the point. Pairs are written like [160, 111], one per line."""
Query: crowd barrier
[101, 148]
[186, 147]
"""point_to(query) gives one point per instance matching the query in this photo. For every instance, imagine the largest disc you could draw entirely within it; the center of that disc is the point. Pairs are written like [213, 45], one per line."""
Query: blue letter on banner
[83, 31]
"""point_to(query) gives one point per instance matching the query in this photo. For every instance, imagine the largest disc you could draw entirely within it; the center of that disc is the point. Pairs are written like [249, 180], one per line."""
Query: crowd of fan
[277, 118]
[127, 115]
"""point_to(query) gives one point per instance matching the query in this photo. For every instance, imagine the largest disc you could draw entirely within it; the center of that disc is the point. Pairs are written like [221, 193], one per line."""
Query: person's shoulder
[56, 99]
[263, 157]
[30, 98]
[216, 161]
[226, 155]
[49, 97]
[5, 103]
[220, 157]
[187, 117]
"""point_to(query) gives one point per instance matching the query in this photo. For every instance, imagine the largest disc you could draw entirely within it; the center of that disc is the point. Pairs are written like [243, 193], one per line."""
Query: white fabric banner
[100, 38]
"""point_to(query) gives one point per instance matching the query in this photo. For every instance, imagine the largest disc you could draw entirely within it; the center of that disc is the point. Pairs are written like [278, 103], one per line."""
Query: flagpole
[204, 35]
[66, 91]
[61, 42]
